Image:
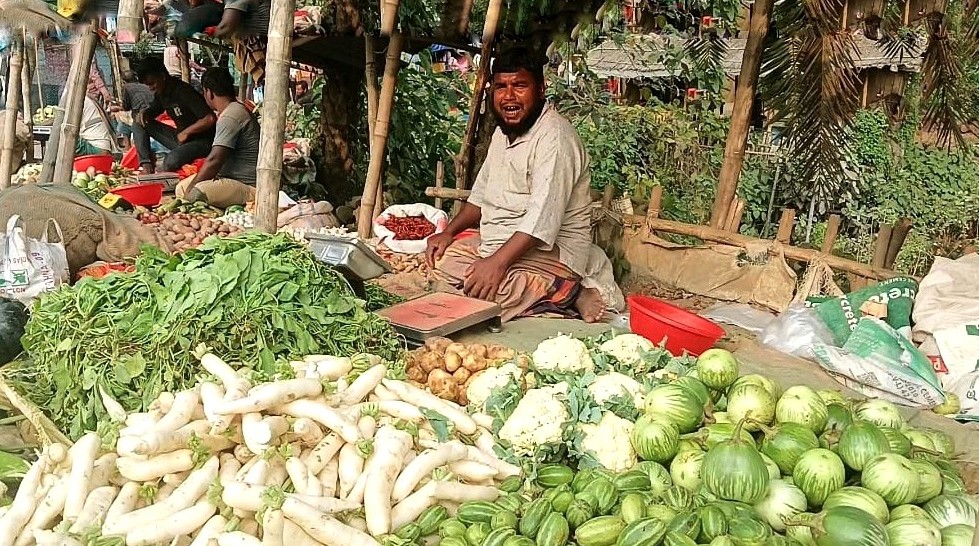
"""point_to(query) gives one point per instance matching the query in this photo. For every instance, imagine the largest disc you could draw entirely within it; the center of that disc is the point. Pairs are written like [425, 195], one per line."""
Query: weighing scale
[169, 180]
[433, 315]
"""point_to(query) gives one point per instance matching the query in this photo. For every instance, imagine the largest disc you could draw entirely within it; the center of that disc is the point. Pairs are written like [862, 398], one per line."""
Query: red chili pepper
[410, 228]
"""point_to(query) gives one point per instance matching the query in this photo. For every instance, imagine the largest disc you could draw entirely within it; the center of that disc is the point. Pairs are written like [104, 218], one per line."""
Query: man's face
[155, 83]
[517, 101]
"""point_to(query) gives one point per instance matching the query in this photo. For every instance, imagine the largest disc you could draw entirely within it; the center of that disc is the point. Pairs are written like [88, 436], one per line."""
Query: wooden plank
[655, 202]
[785, 226]
[737, 214]
[880, 248]
[832, 232]
[447, 193]
[899, 234]
[277, 59]
[805, 255]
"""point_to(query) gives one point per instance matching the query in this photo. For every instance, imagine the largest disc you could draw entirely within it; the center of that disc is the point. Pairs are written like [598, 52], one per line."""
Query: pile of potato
[188, 230]
[446, 367]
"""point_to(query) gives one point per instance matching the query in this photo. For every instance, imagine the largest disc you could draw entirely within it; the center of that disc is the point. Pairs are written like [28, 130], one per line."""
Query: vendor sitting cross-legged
[228, 175]
[531, 202]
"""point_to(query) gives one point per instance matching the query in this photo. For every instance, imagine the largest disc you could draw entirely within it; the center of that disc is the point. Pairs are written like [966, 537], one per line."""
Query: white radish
[423, 465]
[249, 527]
[308, 432]
[242, 453]
[155, 467]
[212, 396]
[389, 451]
[163, 403]
[297, 474]
[220, 369]
[259, 472]
[112, 407]
[103, 471]
[82, 456]
[124, 503]
[210, 531]
[46, 512]
[184, 522]
[367, 425]
[277, 472]
[268, 395]
[161, 441]
[250, 498]
[472, 471]
[358, 523]
[237, 538]
[314, 487]
[323, 527]
[383, 393]
[486, 442]
[504, 469]
[252, 433]
[324, 415]
[163, 492]
[413, 505]
[229, 468]
[328, 477]
[54, 538]
[483, 421]
[273, 528]
[176, 478]
[325, 451]
[22, 507]
[361, 387]
[330, 367]
[351, 464]
[460, 492]
[96, 507]
[185, 404]
[424, 399]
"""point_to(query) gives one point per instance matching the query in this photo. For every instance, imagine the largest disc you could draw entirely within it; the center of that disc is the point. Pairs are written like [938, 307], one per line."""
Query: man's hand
[436, 247]
[483, 278]
[182, 136]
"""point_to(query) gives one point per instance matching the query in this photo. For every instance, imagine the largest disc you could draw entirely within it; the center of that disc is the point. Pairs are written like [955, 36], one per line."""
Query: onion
[892, 477]
[717, 368]
[832, 397]
[780, 502]
[958, 535]
[751, 402]
[655, 440]
[861, 442]
[929, 480]
[686, 469]
[659, 476]
[838, 417]
[786, 443]
[734, 470]
[859, 497]
[803, 406]
[846, 526]
[675, 403]
[897, 441]
[880, 413]
[949, 510]
[913, 532]
[818, 473]
[909, 511]
[758, 381]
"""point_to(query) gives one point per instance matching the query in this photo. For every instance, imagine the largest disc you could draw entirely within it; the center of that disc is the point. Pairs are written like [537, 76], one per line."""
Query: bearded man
[531, 202]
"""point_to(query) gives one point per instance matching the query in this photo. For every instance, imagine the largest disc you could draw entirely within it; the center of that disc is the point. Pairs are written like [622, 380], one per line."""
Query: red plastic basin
[143, 195]
[684, 331]
[101, 162]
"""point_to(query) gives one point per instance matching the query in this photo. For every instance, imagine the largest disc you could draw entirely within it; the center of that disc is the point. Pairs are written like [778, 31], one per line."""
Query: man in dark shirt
[195, 120]
[228, 175]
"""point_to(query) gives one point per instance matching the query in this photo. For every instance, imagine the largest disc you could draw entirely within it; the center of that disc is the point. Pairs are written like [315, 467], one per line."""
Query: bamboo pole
[464, 17]
[447, 193]
[655, 205]
[737, 137]
[27, 76]
[389, 16]
[785, 225]
[898, 235]
[804, 255]
[129, 21]
[832, 232]
[880, 248]
[40, 88]
[439, 182]
[464, 159]
[114, 62]
[58, 168]
[392, 64]
[370, 81]
[184, 60]
[243, 87]
[12, 108]
[278, 57]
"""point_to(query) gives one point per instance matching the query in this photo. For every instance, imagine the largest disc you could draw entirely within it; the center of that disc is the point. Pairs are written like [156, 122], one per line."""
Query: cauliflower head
[537, 420]
[482, 384]
[609, 441]
[563, 354]
[609, 385]
[627, 348]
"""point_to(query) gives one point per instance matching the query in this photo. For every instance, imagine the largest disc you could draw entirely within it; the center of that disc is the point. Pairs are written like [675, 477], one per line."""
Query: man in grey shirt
[229, 172]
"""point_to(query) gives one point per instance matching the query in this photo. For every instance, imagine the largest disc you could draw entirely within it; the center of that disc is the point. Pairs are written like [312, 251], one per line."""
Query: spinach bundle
[255, 299]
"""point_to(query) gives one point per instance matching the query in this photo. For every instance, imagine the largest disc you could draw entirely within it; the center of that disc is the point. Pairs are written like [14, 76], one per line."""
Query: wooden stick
[734, 224]
[370, 81]
[479, 93]
[805, 255]
[115, 63]
[655, 203]
[67, 140]
[899, 234]
[40, 87]
[466, 14]
[439, 182]
[832, 232]
[785, 226]
[392, 64]
[25, 89]
[389, 16]
[608, 194]
[129, 21]
[880, 248]
[12, 108]
[243, 87]
[278, 56]
[184, 60]
[447, 193]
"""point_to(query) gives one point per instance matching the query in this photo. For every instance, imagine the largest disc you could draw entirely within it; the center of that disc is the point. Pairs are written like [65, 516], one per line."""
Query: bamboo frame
[278, 57]
[832, 232]
[439, 181]
[27, 76]
[12, 108]
[785, 226]
[447, 193]
[392, 65]
[899, 234]
[880, 247]
[389, 16]
[184, 60]
[113, 47]
[370, 81]
[58, 168]
[129, 21]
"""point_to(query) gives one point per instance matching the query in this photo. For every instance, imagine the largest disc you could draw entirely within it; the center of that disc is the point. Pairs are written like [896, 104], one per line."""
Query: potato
[457, 348]
[416, 374]
[452, 361]
[430, 361]
[443, 385]
[461, 375]
[478, 349]
[437, 344]
[474, 363]
[195, 224]
[499, 352]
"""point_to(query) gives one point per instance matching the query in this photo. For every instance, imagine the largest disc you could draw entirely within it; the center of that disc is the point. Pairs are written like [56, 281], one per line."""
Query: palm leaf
[946, 108]
[33, 16]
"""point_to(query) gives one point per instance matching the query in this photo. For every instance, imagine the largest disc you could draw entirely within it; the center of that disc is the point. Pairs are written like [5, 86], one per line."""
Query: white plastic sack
[948, 295]
[958, 368]
[796, 331]
[30, 267]
[437, 217]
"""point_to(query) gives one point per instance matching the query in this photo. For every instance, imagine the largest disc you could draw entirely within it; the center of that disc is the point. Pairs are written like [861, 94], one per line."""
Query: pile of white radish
[280, 463]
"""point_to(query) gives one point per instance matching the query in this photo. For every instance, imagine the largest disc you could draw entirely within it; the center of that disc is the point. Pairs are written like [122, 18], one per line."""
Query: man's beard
[520, 129]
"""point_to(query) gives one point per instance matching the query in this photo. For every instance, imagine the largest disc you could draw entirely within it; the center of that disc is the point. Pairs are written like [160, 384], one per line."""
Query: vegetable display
[257, 299]
[447, 368]
[337, 455]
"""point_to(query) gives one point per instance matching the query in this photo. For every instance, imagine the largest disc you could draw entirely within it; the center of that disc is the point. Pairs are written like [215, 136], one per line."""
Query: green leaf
[440, 424]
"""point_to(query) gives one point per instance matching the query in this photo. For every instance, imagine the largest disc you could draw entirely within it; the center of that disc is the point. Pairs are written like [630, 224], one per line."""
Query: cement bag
[890, 301]
[386, 236]
[879, 362]
[30, 267]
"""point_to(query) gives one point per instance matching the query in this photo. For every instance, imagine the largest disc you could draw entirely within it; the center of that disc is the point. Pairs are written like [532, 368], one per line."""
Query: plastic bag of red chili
[404, 228]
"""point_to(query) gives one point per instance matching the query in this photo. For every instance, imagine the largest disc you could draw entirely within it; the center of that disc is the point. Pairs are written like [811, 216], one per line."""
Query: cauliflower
[627, 348]
[482, 384]
[537, 420]
[609, 385]
[609, 442]
[563, 354]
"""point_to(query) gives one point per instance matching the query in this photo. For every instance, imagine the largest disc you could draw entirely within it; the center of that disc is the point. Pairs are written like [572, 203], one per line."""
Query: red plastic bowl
[143, 195]
[101, 162]
[684, 331]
